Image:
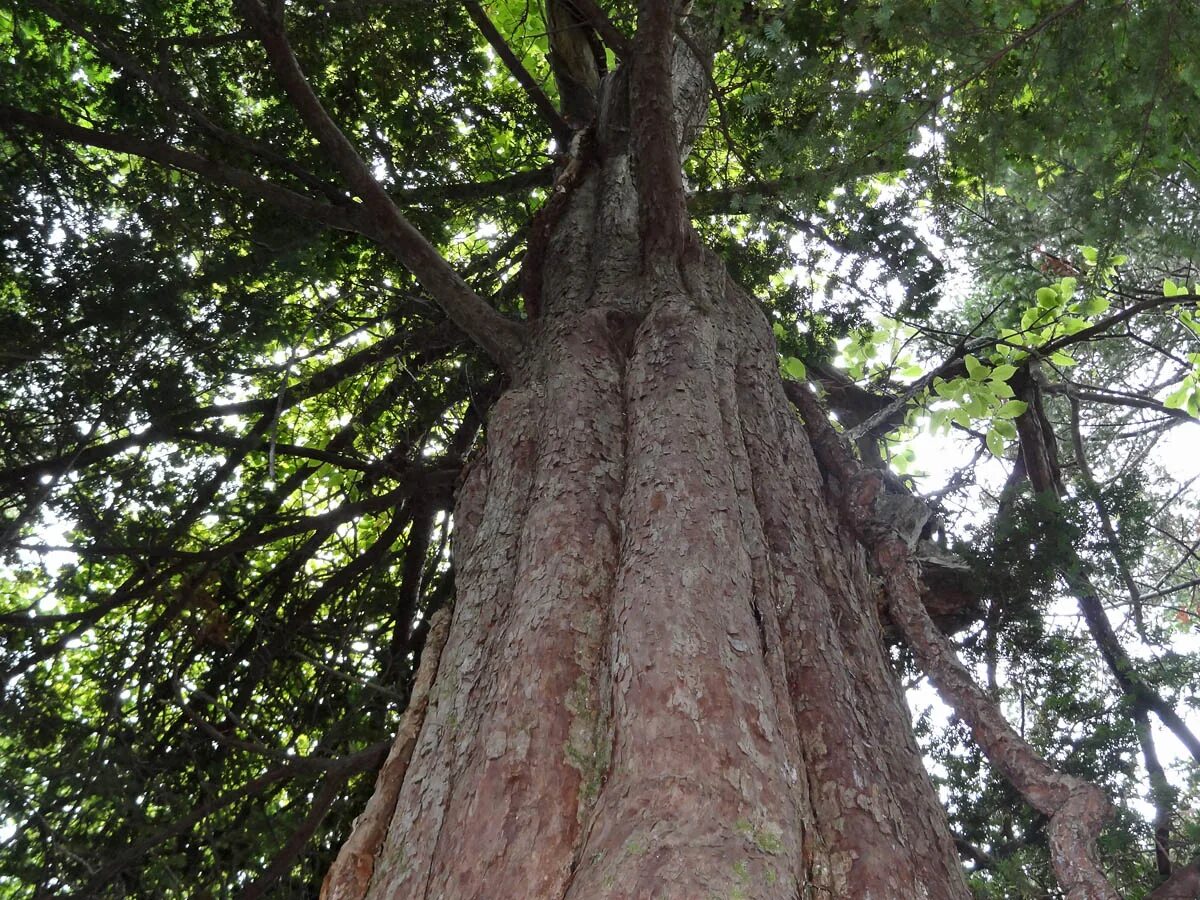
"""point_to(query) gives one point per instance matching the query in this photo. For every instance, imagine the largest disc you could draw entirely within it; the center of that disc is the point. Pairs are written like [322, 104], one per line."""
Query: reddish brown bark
[665, 674]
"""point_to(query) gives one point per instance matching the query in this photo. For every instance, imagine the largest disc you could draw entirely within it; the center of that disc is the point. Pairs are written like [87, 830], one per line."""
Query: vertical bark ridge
[486, 537]
[874, 806]
[696, 801]
[667, 677]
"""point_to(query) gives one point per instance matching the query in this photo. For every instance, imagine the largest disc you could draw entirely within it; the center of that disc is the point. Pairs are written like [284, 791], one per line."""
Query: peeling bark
[665, 674]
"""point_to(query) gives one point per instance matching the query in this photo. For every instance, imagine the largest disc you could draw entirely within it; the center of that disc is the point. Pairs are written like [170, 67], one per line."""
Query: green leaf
[1090, 255]
[1062, 359]
[1005, 428]
[1171, 289]
[1178, 398]
[1047, 297]
[794, 368]
[951, 390]
[977, 370]
[995, 443]
[1093, 306]
[1003, 372]
[1012, 409]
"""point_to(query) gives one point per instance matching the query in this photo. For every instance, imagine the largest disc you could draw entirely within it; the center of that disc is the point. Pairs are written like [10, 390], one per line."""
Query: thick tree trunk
[665, 674]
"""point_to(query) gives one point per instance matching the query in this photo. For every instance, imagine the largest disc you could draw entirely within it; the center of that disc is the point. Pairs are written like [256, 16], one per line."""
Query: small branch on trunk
[558, 127]
[662, 204]
[613, 37]
[500, 337]
[350, 875]
[1077, 809]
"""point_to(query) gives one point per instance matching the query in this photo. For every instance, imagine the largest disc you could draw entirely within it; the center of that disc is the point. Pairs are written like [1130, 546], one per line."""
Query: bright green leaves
[1058, 311]
[976, 369]
[881, 352]
[1171, 289]
[983, 397]
[1186, 395]
[790, 366]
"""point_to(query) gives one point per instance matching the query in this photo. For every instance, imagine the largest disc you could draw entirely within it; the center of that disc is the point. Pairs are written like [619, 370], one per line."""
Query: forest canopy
[233, 416]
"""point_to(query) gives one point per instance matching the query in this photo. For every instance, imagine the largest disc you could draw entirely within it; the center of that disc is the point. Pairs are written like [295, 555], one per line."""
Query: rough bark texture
[665, 674]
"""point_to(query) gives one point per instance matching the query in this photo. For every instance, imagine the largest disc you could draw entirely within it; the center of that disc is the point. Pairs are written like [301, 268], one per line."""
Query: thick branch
[662, 205]
[1077, 809]
[1116, 398]
[350, 875]
[500, 337]
[1121, 666]
[598, 19]
[468, 191]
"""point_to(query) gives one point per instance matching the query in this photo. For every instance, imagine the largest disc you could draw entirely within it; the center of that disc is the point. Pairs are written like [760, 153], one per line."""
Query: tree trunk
[665, 674]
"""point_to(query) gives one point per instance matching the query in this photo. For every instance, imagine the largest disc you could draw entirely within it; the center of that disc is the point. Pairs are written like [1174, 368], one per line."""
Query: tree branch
[108, 49]
[598, 19]
[558, 127]
[338, 217]
[499, 337]
[662, 205]
[1077, 809]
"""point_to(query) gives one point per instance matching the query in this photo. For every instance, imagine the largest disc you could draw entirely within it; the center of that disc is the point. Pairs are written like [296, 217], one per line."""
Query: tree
[287, 284]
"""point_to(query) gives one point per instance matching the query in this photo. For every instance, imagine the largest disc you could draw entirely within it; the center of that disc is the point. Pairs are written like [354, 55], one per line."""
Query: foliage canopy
[231, 426]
